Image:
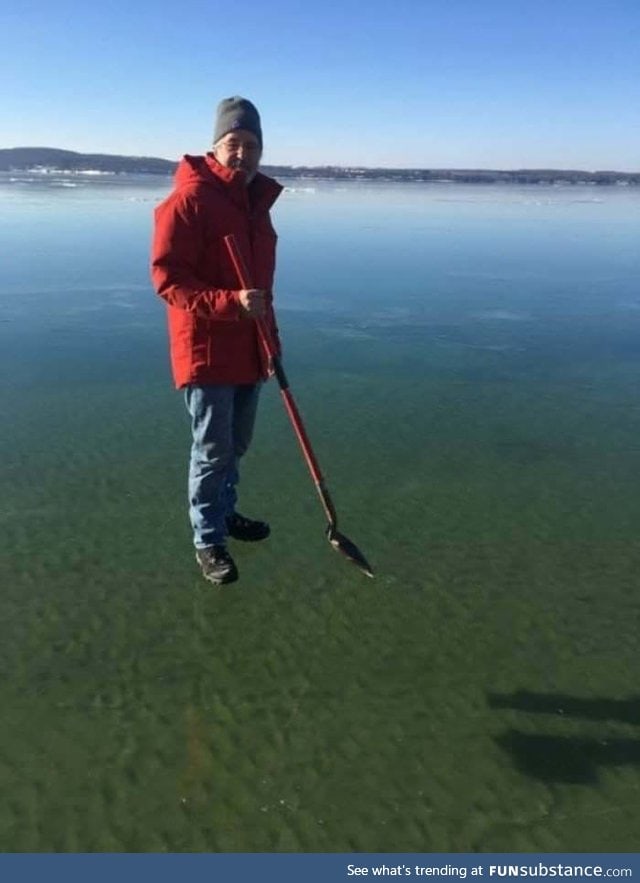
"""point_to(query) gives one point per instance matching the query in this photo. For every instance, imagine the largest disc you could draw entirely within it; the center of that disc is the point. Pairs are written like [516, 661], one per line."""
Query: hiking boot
[217, 565]
[246, 529]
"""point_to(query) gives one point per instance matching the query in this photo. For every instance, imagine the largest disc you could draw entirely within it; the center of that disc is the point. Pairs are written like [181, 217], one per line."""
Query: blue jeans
[222, 421]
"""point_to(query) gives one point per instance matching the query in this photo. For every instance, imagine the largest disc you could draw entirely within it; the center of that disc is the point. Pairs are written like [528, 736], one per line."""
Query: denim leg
[211, 410]
[244, 418]
[222, 419]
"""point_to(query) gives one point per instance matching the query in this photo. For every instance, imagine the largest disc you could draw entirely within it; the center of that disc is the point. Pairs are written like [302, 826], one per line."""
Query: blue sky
[408, 83]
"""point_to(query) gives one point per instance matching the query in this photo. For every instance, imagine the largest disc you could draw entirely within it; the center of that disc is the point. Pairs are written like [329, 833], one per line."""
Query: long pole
[338, 540]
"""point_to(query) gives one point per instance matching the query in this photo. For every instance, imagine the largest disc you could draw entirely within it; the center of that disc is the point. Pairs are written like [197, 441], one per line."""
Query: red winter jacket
[211, 340]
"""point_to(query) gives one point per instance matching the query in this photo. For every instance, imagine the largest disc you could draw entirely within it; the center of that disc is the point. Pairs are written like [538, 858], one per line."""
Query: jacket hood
[195, 170]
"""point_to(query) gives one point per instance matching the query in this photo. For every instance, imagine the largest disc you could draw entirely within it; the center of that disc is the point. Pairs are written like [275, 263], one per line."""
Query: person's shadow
[565, 758]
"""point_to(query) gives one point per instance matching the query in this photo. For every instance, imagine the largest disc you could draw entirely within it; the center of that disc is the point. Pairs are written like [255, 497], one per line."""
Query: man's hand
[253, 302]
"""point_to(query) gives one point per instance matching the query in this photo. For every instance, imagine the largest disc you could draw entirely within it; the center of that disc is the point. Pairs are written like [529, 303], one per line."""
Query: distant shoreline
[45, 160]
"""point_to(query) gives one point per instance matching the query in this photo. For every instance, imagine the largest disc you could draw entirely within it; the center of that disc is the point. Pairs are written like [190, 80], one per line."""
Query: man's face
[239, 150]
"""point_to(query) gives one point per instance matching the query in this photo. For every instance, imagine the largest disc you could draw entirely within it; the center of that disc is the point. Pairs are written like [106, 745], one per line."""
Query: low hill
[33, 158]
[28, 158]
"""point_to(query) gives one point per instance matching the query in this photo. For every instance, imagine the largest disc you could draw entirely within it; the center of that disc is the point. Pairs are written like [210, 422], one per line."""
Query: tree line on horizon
[24, 159]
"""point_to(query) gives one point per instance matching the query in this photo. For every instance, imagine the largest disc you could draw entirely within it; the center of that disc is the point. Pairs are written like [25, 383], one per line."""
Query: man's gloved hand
[253, 302]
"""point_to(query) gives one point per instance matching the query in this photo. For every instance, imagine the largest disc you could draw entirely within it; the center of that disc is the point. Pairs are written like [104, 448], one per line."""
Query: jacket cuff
[223, 305]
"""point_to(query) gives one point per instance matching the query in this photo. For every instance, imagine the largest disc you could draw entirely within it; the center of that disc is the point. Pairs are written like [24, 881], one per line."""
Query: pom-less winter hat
[236, 113]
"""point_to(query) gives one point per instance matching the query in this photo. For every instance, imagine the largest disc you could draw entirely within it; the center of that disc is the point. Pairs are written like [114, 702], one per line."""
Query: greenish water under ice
[467, 362]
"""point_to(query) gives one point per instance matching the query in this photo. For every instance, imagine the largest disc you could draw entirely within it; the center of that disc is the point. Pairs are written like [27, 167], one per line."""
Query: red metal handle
[289, 403]
[244, 278]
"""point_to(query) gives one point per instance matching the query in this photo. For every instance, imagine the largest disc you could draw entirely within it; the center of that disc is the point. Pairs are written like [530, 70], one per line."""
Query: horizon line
[348, 167]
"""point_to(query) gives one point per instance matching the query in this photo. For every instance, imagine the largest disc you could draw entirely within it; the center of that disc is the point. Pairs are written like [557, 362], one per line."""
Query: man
[215, 351]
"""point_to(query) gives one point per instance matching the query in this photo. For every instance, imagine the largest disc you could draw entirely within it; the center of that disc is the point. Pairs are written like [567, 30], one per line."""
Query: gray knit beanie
[236, 113]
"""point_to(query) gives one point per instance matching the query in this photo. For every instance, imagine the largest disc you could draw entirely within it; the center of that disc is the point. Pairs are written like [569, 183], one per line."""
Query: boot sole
[245, 539]
[222, 580]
